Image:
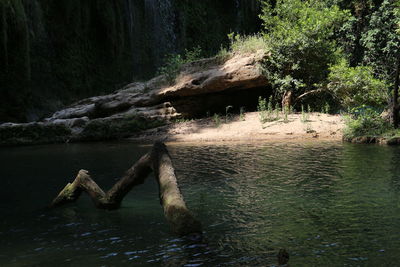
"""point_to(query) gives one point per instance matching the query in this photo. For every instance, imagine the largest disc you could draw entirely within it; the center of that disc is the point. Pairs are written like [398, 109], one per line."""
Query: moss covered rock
[33, 133]
[111, 128]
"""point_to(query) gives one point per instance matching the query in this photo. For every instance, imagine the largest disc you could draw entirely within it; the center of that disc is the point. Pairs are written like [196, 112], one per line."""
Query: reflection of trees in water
[358, 204]
[309, 198]
[226, 179]
[259, 190]
[394, 168]
[333, 201]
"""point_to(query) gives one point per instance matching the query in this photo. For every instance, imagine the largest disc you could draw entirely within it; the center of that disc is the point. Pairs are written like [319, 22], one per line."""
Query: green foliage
[286, 112]
[217, 120]
[327, 108]
[227, 115]
[300, 37]
[262, 104]
[223, 55]
[365, 121]
[171, 68]
[266, 111]
[241, 114]
[381, 40]
[305, 116]
[356, 86]
[277, 109]
[262, 109]
[397, 16]
[192, 55]
[247, 44]
[241, 44]
[173, 63]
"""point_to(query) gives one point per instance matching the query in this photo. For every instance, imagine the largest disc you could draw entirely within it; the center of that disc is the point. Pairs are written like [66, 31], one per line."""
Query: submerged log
[175, 210]
[158, 160]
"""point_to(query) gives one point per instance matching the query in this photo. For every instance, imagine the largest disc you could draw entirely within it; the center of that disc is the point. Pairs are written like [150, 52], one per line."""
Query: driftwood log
[157, 160]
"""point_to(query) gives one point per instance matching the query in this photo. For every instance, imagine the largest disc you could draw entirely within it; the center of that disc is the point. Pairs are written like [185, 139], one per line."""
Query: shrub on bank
[366, 121]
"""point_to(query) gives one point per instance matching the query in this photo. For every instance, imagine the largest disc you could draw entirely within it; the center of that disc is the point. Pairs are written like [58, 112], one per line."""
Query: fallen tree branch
[316, 91]
[158, 160]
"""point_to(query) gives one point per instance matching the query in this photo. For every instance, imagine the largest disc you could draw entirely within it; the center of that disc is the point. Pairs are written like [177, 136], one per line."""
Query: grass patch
[266, 111]
[242, 114]
[241, 44]
[247, 44]
[217, 120]
[305, 115]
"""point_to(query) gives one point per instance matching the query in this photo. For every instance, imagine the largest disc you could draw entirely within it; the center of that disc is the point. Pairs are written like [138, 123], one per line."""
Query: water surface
[327, 204]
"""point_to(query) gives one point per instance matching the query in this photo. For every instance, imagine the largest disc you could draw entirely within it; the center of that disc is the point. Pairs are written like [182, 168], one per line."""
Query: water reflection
[327, 204]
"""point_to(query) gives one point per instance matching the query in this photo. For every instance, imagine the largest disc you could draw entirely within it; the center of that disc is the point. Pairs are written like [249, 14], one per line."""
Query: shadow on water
[327, 204]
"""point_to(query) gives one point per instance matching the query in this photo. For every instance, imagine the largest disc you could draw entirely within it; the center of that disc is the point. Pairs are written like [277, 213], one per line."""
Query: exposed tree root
[158, 160]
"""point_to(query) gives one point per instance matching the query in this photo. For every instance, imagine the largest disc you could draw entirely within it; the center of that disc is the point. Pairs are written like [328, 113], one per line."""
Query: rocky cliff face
[52, 52]
[142, 105]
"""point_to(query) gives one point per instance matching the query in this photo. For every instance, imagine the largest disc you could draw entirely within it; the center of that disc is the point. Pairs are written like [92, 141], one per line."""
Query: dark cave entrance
[216, 103]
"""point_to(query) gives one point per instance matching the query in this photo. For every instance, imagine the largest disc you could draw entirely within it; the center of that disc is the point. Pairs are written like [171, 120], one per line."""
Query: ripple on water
[326, 204]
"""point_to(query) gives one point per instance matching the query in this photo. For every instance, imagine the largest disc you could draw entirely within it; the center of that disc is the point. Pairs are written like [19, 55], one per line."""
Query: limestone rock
[142, 105]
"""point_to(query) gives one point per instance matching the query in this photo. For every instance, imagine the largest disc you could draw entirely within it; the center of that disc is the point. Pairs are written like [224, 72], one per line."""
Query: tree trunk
[287, 100]
[158, 160]
[395, 107]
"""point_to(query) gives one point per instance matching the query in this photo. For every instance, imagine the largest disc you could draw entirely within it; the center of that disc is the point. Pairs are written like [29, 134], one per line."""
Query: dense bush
[381, 39]
[355, 86]
[365, 121]
[300, 35]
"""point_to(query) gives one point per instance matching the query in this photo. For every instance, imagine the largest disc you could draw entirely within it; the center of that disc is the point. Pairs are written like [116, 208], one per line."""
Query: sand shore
[319, 126]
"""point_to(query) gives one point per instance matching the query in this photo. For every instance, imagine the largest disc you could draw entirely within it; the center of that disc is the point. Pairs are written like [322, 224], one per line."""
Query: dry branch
[158, 160]
[312, 92]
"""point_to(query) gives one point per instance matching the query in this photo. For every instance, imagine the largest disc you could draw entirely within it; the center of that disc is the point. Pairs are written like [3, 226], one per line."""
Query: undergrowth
[241, 44]
[367, 121]
[247, 44]
[173, 63]
[266, 111]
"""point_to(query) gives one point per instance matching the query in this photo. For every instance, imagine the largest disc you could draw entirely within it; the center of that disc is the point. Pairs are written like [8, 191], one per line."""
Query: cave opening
[206, 105]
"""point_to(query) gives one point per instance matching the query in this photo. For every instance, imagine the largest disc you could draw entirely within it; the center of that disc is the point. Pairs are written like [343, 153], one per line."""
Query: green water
[327, 204]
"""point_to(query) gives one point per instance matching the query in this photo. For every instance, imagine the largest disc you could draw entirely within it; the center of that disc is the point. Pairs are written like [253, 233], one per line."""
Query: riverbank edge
[239, 129]
[244, 128]
[249, 128]
[390, 141]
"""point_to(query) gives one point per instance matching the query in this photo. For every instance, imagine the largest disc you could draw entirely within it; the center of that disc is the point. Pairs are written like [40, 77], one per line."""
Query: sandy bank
[319, 126]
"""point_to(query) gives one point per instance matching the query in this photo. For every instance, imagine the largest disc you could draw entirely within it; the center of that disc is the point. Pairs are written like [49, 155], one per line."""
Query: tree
[356, 86]
[301, 38]
[395, 109]
[381, 42]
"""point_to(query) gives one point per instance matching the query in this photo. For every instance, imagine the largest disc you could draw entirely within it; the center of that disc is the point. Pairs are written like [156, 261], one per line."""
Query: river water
[326, 204]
